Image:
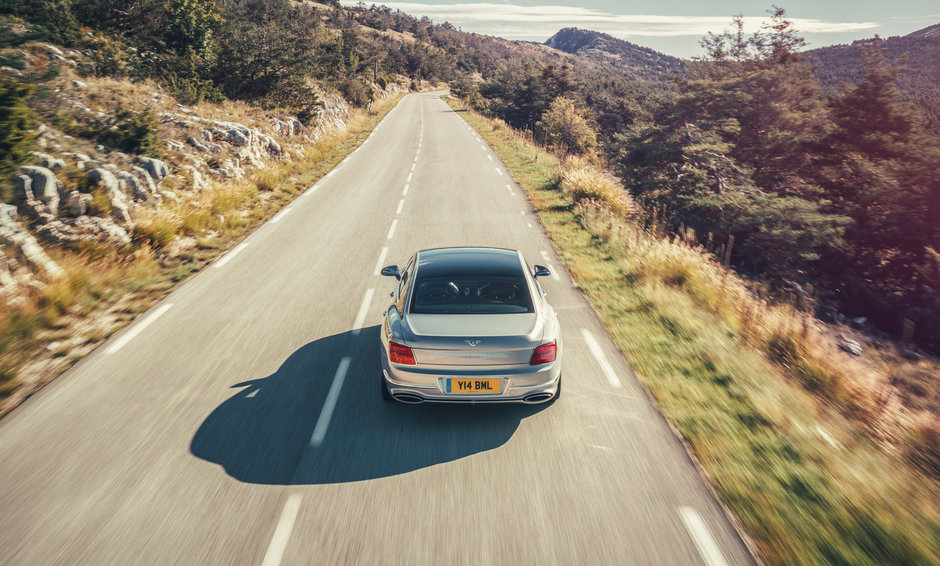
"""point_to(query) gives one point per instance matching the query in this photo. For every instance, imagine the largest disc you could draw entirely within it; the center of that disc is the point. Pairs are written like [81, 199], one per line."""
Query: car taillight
[543, 354]
[398, 354]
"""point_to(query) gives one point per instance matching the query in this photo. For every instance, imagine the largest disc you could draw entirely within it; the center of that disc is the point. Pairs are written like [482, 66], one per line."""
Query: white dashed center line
[491, 157]
[401, 204]
[405, 192]
[391, 231]
[601, 359]
[323, 423]
[282, 533]
[702, 537]
[382, 256]
[499, 172]
[137, 329]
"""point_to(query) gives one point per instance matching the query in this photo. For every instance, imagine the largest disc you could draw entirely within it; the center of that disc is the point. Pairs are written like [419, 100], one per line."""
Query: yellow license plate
[473, 386]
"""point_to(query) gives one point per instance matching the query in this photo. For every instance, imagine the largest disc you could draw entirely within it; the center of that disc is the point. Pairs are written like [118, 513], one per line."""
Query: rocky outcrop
[76, 204]
[42, 188]
[84, 228]
[13, 234]
[155, 167]
[48, 161]
[108, 183]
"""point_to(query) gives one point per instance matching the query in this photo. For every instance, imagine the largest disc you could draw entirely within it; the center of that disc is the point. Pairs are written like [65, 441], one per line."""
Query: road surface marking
[410, 175]
[551, 267]
[529, 224]
[700, 534]
[499, 172]
[601, 358]
[363, 309]
[345, 160]
[319, 432]
[378, 264]
[281, 214]
[491, 157]
[228, 257]
[137, 329]
[330, 174]
[401, 204]
[483, 147]
[391, 231]
[405, 192]
[522, 212]
[282, 533]
[413, 164]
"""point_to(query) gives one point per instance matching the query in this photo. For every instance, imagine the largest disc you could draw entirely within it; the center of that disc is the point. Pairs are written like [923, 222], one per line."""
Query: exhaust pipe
[537, 398]
[409, 398]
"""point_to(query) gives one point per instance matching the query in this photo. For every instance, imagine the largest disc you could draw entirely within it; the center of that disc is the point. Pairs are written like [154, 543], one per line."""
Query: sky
[672, 26]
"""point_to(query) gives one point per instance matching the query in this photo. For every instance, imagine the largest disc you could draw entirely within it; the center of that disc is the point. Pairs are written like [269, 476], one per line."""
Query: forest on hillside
[824, 192]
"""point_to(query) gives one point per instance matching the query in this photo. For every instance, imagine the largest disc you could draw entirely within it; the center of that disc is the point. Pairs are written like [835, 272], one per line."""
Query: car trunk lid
[474, 340]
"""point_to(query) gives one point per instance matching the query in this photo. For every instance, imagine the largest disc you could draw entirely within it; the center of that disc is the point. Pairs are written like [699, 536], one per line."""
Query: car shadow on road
[262, 434]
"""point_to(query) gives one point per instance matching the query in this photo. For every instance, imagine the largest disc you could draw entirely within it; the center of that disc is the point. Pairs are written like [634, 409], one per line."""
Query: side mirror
[391, 271]
[541, 271]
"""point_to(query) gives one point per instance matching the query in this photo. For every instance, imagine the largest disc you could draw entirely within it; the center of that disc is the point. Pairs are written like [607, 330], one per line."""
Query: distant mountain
[917, 52]
[642, 62]
[932, 31]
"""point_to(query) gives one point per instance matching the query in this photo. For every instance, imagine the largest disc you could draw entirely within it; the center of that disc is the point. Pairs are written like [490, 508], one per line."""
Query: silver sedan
[470, 325]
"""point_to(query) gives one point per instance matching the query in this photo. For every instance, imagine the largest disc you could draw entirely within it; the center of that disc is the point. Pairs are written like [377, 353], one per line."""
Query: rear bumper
[519, 384]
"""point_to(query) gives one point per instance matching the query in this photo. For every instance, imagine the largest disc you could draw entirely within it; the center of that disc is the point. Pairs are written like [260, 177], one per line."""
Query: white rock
[44, 186]
[157, 168]
[15, 235]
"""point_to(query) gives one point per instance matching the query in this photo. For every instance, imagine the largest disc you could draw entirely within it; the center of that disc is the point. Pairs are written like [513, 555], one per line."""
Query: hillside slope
[917, 52]
[640, 62]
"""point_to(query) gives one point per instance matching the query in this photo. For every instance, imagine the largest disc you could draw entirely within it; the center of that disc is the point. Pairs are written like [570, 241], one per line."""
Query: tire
[385, 393]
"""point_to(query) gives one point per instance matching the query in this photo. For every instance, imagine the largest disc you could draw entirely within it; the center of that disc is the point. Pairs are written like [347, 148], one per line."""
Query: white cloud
[540, 22]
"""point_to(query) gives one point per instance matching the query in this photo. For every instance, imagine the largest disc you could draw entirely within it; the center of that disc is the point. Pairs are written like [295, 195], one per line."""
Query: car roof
[492, 262]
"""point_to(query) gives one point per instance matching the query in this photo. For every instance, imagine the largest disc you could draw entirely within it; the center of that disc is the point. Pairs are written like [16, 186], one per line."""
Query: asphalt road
[240, 420]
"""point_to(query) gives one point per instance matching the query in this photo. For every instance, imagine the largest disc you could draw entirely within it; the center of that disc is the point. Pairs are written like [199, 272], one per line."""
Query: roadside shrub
[16, 120]
[589, 183]
[134, 133]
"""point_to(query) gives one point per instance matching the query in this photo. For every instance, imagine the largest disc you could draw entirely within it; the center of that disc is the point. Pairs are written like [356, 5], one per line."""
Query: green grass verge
[761, 438]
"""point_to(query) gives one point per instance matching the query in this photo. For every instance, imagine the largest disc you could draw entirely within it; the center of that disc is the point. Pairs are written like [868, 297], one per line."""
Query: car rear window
[471, 295]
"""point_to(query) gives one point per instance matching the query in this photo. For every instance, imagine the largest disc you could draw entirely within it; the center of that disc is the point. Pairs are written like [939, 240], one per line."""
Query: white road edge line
[382, 256]
[228, 257]
[282, 533]
[319, 432]
[137, 329]
[391, 231]
[703, 539]
[401, 205]
[330, 174]
[281, 214]
[363, 310]
[601, 358]
[490, 156]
